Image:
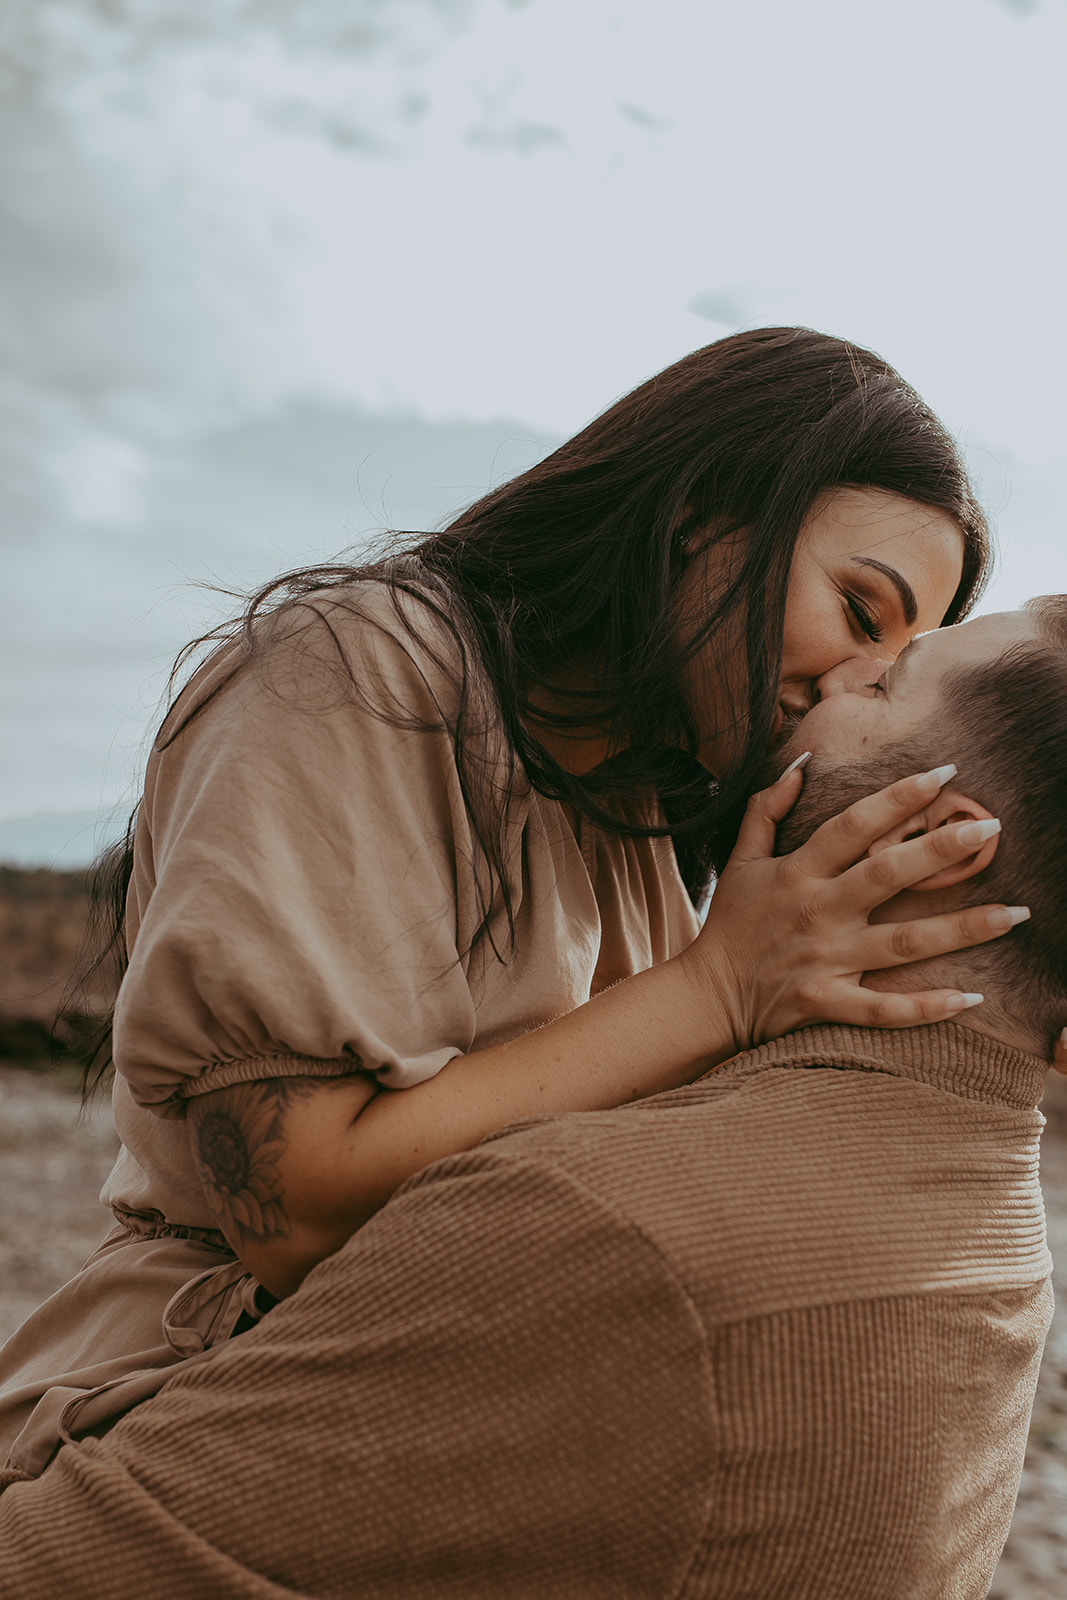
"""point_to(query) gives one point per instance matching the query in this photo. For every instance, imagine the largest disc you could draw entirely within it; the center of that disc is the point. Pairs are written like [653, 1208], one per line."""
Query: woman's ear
[946, 809]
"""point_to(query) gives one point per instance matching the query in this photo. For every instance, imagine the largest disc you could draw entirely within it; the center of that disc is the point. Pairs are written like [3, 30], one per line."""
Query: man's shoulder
[778, 1187]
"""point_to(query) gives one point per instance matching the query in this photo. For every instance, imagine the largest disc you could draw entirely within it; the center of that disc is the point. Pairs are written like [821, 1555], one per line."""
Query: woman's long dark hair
[560, 587]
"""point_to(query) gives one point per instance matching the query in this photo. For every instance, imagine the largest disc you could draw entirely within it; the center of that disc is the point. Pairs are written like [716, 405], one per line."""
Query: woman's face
[871, 569]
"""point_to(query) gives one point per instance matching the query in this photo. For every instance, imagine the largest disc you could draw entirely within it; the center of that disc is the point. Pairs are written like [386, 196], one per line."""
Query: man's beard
[830, 790]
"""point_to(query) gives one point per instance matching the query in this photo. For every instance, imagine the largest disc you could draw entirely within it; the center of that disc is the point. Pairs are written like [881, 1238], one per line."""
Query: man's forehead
[965, 642]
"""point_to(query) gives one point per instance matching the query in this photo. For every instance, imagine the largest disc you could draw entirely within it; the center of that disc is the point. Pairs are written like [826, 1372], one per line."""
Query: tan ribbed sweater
[775, 1335]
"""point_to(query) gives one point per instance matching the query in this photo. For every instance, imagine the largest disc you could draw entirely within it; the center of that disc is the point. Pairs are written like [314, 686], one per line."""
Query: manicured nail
[977, 832]
[964, 1002]
[936, 778]
[1005, 917]
[793, 765]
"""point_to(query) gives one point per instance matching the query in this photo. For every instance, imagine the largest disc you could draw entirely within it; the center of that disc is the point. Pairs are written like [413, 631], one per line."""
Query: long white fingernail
[963, 1002]
[793, 765]
[937, 777]
[977, 832]
[1016, 914]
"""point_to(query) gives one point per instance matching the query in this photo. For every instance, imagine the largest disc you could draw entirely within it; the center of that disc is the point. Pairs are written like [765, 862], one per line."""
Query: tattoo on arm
[238, 1138]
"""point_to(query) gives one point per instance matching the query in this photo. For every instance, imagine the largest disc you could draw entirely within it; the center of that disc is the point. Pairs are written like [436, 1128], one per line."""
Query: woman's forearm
[646, 1034]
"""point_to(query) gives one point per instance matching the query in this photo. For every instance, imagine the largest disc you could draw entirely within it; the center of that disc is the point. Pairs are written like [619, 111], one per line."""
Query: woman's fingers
[788, 939]
[882, 876]
[870, 1008]
[895, 944]
[846, 838]
[765, 810]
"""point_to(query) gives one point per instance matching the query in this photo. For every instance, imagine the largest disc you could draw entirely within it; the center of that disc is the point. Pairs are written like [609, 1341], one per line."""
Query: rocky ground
[53, 1160]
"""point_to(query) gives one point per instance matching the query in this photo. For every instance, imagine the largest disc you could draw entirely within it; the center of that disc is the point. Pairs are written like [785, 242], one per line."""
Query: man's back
[776, 1334]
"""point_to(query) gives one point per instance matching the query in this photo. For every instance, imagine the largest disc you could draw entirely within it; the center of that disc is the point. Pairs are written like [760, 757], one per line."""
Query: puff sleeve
[303, 894]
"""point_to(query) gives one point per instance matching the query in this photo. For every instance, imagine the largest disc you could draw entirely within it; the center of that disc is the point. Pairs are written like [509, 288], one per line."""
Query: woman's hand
[790, 936]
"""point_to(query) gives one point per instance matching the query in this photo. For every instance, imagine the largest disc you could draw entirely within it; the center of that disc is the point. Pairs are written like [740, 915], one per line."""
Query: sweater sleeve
[302, 891]
[497, 1387]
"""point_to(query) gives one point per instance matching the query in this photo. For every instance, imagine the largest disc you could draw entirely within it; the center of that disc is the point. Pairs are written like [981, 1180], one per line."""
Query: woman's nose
[849, 676]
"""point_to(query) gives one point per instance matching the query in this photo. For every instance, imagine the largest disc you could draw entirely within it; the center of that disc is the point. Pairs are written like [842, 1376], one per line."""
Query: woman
[438, 824]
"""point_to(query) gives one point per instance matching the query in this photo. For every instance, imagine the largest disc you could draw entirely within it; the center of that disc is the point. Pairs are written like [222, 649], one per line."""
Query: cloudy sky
[276, 276]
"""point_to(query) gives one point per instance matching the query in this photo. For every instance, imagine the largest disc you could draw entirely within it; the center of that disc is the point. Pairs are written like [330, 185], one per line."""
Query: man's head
[990, 695]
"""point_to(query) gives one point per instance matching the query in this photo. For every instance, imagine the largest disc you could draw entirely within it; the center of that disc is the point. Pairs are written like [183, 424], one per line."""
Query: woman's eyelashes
[870, 626]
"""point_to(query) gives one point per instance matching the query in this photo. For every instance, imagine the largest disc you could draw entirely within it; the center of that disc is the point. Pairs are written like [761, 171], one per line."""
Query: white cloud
[439, 206]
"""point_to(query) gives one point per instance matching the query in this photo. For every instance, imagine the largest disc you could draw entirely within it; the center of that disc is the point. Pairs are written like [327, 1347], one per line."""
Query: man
[774, 1333]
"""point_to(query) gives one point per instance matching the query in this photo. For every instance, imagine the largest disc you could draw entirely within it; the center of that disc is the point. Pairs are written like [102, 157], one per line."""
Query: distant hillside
[43, 916]
[61, 841]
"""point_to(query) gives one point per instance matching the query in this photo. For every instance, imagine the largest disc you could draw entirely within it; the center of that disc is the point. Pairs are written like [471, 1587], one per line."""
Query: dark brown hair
[572, 567]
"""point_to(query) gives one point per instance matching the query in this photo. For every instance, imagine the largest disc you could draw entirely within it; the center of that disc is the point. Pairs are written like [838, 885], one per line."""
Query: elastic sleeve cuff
[249, 1069]
[402, 1072]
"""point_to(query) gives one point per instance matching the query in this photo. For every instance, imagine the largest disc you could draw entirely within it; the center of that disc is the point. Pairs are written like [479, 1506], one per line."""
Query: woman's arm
[295, 1166]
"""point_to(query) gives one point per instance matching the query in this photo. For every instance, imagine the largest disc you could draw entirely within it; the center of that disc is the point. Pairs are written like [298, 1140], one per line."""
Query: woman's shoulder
[403, 632]
[394, 650]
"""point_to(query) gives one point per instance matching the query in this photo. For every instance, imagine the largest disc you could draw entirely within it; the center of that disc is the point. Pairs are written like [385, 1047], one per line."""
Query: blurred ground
[1034, 1563]
[53, 1161]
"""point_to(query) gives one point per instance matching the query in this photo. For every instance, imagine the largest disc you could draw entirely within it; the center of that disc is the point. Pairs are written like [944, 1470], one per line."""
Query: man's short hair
[1006, 723]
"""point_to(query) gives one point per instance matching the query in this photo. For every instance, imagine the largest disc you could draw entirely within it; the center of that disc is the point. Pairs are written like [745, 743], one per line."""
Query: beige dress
[305, 892]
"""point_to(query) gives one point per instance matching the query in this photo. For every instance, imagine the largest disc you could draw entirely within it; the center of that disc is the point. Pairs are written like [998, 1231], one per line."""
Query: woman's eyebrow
[899, 582]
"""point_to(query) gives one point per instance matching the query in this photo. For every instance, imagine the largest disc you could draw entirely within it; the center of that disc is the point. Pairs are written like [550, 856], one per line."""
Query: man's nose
[849, 676]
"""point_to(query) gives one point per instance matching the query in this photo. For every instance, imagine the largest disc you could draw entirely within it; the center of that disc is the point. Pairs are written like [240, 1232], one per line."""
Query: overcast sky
[277, 275]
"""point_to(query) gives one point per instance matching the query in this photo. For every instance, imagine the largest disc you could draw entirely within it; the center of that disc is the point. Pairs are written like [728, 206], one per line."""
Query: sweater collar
[945, 1055]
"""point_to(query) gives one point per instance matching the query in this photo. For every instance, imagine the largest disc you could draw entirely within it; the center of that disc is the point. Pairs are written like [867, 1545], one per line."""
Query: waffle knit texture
[773, 1335]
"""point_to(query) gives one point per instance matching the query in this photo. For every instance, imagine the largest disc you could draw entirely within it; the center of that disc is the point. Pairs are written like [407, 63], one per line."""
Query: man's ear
[947, 808]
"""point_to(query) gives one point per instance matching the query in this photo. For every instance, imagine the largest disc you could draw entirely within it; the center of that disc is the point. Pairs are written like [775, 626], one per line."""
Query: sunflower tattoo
[239, 1143]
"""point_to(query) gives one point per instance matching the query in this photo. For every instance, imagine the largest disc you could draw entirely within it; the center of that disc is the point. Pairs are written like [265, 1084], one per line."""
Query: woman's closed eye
[869, 624]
